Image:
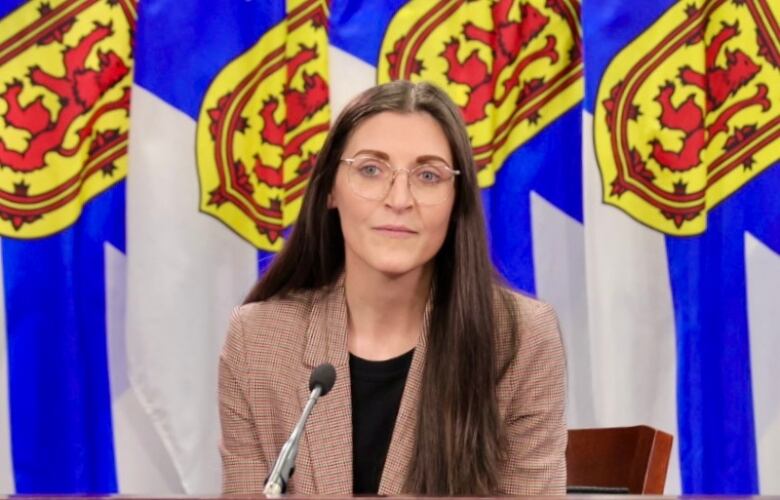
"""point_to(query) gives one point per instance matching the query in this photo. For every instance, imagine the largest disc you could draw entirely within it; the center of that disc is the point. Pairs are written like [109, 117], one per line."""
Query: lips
[395, 230]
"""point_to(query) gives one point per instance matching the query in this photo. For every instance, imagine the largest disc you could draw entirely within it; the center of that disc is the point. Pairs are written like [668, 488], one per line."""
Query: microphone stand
[276, 484]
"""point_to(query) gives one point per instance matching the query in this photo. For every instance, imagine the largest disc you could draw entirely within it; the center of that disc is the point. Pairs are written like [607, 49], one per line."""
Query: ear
[331, 201]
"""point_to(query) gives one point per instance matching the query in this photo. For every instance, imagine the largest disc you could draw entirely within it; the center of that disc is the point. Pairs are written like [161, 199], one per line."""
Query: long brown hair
[459, 440]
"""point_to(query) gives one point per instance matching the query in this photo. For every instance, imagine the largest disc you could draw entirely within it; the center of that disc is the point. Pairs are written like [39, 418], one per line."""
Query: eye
[370, 170]
[430, 175]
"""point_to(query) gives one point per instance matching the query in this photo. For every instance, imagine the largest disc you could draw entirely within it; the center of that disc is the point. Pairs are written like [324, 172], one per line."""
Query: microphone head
[323, 376]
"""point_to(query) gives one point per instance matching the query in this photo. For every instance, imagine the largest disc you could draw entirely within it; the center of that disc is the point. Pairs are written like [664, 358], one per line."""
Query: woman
[447, 382]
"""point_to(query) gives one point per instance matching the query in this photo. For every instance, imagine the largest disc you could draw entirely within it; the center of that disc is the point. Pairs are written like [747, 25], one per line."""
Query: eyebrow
[386, 157]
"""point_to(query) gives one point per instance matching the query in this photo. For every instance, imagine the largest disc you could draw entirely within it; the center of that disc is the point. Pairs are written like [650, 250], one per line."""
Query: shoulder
[526, 305]
[534, 321]
[281, 311]
[278, 321]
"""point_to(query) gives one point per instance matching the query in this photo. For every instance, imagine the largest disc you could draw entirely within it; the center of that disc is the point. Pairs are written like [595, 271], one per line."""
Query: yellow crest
[688, 112]
[64, 104]
[512, 67]
[262, 122]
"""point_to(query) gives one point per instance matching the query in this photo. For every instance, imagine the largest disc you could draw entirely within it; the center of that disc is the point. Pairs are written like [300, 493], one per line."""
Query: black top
[377, 387]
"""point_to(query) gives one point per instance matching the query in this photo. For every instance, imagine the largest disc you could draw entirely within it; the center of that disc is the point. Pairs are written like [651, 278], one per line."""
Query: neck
[385, 312]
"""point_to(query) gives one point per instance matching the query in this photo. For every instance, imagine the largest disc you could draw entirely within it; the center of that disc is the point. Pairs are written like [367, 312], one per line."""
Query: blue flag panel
[59, 397]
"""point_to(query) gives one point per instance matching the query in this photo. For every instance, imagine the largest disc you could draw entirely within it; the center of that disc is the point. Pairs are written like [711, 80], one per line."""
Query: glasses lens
[431, 183]
[370, 177]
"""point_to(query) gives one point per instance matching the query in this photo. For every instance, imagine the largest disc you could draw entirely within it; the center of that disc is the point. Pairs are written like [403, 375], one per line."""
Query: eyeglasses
[430, 183]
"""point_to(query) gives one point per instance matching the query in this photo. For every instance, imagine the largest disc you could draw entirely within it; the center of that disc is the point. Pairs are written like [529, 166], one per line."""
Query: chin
[395, 269]
[399, 270]
[390, 262]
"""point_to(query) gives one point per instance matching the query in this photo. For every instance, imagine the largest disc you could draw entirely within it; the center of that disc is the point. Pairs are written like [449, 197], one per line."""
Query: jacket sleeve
[535, 421]
[244, 468]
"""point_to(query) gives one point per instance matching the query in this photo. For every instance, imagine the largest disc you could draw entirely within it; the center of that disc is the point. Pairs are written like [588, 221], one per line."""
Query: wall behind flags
[153, 157]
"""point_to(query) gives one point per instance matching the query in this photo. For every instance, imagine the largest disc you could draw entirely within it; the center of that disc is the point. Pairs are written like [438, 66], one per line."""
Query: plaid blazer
[264, 369]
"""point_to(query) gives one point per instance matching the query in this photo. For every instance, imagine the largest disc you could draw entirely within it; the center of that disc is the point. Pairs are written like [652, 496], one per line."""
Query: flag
[66, 73]
[628, 165]
[230, 119]
[682, 116]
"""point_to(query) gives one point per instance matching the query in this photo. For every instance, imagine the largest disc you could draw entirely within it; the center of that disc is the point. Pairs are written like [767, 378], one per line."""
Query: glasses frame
[351, 164]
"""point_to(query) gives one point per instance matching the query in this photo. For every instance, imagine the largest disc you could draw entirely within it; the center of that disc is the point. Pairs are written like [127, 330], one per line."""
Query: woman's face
[396, 234]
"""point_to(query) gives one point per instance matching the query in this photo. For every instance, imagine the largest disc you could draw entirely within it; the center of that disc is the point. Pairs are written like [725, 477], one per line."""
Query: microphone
[320, 383]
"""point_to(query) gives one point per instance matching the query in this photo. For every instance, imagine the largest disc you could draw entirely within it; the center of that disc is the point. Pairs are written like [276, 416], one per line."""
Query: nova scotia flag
[154, 161]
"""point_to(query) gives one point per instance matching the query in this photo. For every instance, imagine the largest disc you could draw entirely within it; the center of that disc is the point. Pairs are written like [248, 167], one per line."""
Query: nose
[400, 195]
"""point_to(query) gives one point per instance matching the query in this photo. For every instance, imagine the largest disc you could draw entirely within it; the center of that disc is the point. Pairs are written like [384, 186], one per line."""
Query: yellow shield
[66, 69]
[262, 123]
[688, 112]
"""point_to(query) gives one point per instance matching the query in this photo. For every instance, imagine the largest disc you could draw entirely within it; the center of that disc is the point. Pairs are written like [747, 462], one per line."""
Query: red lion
[719, 83]
[78, 91]
[506, 42]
